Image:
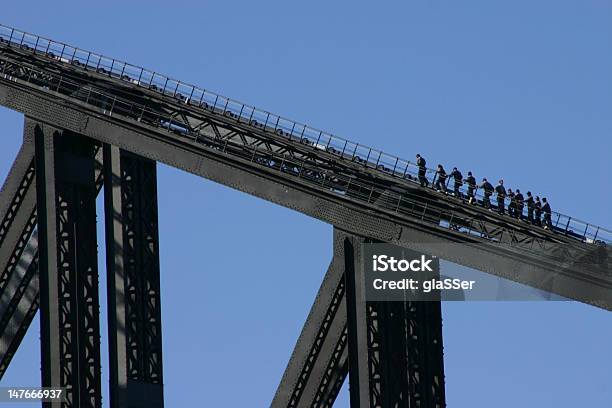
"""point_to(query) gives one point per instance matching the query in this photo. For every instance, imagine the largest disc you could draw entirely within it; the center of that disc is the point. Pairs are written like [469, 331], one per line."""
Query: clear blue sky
[518, 89]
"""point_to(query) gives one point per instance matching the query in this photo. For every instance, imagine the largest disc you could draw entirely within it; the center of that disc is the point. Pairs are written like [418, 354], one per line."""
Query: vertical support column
[425, 353]
[406, 356]
[357, 324]
[132, 246]
[395, 348]
[66, 207]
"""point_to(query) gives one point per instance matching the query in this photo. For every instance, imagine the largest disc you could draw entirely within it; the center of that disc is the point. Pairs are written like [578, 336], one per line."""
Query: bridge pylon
[391, 351]
[69, 303]
[132, 263]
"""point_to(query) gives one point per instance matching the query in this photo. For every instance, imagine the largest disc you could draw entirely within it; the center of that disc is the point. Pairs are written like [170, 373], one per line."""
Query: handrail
[388, 164]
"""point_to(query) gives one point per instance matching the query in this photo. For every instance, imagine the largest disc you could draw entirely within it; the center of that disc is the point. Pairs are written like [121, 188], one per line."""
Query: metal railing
[188, 94]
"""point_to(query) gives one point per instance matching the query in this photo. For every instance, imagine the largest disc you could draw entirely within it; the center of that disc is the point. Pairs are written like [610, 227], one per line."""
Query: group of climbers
[536, 208]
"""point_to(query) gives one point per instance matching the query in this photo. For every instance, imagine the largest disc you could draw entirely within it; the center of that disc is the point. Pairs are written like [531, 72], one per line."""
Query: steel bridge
[92, 122]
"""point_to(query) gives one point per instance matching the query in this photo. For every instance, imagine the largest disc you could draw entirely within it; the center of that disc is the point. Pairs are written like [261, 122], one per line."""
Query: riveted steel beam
[66, 210]
[395, 348]
[317, 367]
[134, 312]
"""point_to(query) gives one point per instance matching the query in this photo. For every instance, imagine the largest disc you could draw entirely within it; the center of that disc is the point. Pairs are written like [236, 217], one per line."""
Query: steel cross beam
[66, 209]
[134, 314]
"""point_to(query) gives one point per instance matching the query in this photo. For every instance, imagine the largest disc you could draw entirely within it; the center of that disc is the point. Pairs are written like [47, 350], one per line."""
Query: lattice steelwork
[20, 290]
[8, 271]
[318, 365]
[229, 134]
[339, 296]
[143, 313]
[395, 348]
[405, 354]
[15, 205]
[181, 107]
[17, 212]
[68, 266]
[26, 293]
[134, 281]
[391, 351]
[12, 294]
[335, 373]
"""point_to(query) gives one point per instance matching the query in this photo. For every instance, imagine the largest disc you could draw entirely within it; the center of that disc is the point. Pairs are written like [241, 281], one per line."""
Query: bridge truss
[93, 122]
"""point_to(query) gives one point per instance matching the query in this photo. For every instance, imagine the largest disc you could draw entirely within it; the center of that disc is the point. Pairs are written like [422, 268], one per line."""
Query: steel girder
[277, 163]
[318, 365]
[521, 260]
[20, 285]
[222, 130]
[395, 348]
[392, 350]
[19, 303]
[17, 259]
[19, 300]
[17, 210]
[66, 209]
[132, 243]
[223, 136]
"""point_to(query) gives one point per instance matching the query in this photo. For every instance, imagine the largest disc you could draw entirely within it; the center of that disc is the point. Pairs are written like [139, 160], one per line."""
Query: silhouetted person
[441, 181]
[530, 207]
[501, 196]
[458, 177]
[471, 186]
[422, 170]
[487, 191]
[520, 204]
[547, 213]
[538, 212]
[511, 203]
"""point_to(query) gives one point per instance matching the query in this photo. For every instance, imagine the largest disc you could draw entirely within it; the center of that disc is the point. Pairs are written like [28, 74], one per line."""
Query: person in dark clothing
[520, 204]
[487, 189]
[458, 177]
[501, 197]
[538, 211]
[530, 207]
[441, 181]
[511, 203]
[547, 214]
[471, 183]
[422, 170]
